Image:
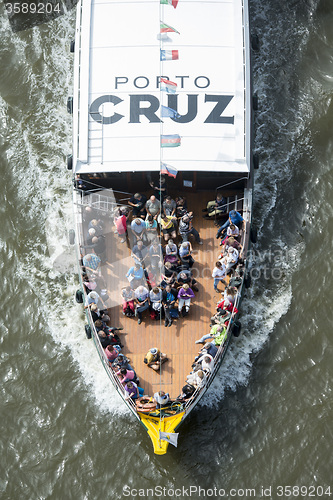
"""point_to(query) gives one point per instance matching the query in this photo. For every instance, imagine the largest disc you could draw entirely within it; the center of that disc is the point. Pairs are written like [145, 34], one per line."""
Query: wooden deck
[177, 341]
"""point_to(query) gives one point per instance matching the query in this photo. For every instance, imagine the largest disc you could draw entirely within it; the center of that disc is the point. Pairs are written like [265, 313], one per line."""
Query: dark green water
[267, 419]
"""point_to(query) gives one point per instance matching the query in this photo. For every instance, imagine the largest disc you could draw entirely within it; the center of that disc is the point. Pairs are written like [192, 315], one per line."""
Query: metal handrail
[229, 183]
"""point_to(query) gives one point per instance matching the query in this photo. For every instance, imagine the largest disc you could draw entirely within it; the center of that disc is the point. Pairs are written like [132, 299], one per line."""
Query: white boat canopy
[196, 119]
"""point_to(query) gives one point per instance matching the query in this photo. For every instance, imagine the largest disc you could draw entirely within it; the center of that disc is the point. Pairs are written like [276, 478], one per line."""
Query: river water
[267, 420]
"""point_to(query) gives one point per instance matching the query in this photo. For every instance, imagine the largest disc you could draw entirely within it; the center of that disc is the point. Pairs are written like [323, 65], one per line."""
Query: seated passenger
[90, 235]
[168, 227]
[181, 206]
[111, 353]
[230, 293]
[99, 314]
[169, 206]
[94, 298]
[185, 277]
[98, 225]
[140, 253]
[151, 229]
[185, 251]
[233, 230]
[132, 391]
[207, 362]
[156, 256]
[98, 245]
[135, 275]
[153, 207]
[187, 393]
[171, 252]
[197, 379]
[218, 333]
[185, 295]
[91, 262]
[89, 283]
[232, 258]
[138, 229]
[141, 302]
[121, 362]
[227, 306]
[230, 242]
[169, 276]
[216, 207]
[210, 349]
[161, 398]
[110, 337]
[219, 273]
[155, 297]
[138, 202]
[128, 301]
[222, 317]
[169, 297]
[104, 339]
[234, 218]
[125, 375]
[186, 228]
[154, 358]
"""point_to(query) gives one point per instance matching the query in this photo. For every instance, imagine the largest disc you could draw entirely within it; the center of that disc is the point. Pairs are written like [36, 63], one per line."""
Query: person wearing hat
[94, 298]
[234, 218]
[155, 358]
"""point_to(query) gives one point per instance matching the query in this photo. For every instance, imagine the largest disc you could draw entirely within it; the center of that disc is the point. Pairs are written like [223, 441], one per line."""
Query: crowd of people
[160, 281]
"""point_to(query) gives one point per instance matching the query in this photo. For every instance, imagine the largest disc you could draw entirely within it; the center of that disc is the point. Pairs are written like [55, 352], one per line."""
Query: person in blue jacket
[234, 218]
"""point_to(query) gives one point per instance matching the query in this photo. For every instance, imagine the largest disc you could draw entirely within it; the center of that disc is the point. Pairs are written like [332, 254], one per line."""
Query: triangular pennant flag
[174, 3]
[165, 28]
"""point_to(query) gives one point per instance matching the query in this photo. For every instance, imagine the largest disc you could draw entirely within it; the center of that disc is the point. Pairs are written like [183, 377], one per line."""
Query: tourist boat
[161, 87]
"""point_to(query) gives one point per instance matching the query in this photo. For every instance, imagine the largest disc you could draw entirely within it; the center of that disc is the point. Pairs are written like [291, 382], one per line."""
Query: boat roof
[118, 98]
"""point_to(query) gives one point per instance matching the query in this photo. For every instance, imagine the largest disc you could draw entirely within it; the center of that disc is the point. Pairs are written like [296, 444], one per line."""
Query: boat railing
[105, 202]
[232, 182]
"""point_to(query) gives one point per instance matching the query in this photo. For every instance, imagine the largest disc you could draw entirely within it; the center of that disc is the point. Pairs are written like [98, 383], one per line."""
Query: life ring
[145, 404]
